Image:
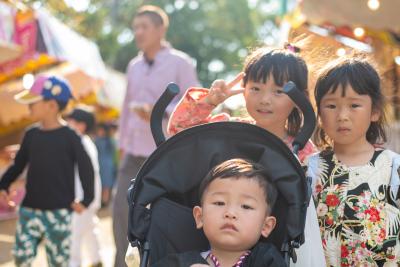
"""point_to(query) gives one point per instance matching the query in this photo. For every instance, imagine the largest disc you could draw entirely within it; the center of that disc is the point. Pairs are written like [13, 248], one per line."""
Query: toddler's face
[267, 104]
[234, 214]
[346, 115]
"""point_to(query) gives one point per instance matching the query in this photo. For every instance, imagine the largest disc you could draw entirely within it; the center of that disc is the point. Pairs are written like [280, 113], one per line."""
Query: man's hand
[143, 111]
[5, 200]
[77, 207]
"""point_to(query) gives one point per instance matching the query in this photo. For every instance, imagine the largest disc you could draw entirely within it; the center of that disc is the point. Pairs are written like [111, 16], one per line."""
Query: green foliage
[210, 31]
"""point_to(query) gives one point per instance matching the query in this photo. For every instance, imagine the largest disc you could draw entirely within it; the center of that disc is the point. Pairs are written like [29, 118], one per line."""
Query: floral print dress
[356, 208]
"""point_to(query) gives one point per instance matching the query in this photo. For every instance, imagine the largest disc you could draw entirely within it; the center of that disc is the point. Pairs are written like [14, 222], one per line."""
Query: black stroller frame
[164, 191]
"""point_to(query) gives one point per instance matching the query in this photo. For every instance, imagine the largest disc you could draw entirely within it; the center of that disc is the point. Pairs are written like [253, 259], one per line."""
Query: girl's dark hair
[358, 73]
[239, 168]
[283, 65]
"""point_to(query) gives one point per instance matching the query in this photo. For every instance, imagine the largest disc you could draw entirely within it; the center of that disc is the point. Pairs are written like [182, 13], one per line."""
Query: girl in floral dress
[264, 74]
[355, 182]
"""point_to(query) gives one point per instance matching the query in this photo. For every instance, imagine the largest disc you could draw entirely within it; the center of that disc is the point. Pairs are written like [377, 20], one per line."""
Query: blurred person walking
[51, 151]
[85, 225]
[106, 148]
[148, 75]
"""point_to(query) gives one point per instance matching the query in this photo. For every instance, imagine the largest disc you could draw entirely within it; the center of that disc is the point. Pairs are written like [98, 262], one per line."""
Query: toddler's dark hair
[358, 73]
[242, 168]
[283, 65]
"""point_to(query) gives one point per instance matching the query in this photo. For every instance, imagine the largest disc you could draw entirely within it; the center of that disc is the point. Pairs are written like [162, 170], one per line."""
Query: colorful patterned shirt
[356, 208]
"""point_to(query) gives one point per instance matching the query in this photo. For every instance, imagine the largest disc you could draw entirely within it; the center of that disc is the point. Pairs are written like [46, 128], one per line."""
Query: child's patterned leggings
[52, 226]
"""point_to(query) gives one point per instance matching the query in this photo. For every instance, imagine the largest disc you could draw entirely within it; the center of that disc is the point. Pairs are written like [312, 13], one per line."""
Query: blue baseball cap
[46, 88]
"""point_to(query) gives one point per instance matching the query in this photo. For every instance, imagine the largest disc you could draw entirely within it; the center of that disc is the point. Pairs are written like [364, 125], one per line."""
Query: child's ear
[198, 216]
[269, 225]
[53, 104]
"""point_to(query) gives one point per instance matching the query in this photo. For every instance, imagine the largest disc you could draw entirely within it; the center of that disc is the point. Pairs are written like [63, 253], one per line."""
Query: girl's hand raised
[220, 90]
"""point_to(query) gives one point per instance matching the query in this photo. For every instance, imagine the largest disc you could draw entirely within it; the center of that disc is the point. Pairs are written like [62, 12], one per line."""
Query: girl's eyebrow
[216, 193]
[330, 98]
[256, 83]
[356, 98]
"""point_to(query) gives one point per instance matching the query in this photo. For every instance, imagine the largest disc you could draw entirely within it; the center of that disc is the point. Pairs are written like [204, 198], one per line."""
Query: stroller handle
[310, 121]
[289, 88]
[158, 111]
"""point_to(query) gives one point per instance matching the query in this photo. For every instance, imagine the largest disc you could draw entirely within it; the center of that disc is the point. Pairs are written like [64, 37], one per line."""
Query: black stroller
[162, 195]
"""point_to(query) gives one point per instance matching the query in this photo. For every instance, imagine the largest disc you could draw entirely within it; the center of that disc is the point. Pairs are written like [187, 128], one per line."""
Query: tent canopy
[354, 13]
[34, 39]
[33, 42]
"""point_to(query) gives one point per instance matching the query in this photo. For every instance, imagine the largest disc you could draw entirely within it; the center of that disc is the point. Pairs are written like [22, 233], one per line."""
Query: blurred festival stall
[340, 27]
[34, 42]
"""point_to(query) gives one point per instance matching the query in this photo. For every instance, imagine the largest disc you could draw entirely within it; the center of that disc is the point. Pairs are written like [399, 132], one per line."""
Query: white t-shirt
[91, 149]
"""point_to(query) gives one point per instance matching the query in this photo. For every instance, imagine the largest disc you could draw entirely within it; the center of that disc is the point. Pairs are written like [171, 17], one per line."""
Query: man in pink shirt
[148, 75]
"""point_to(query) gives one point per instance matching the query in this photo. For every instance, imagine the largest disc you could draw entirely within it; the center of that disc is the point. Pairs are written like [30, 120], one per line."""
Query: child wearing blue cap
[51, 150]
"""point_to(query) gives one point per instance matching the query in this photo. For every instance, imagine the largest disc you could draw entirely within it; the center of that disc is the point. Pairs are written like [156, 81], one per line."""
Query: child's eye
[330, 106]
[254, 89]
[355, 105]
[279, 91]
[247, 207]
[218, 203]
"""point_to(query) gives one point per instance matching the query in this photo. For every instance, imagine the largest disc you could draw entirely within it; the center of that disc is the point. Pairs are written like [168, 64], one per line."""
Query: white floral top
[357, 211]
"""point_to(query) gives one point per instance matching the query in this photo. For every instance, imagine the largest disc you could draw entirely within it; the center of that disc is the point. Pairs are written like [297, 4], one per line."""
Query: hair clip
[291, 48]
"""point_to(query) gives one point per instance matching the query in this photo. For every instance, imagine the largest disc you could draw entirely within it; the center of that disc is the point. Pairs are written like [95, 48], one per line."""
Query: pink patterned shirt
[190, 112]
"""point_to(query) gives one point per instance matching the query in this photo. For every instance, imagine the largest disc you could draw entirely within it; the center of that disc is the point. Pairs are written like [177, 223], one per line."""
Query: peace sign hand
[220, 90]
